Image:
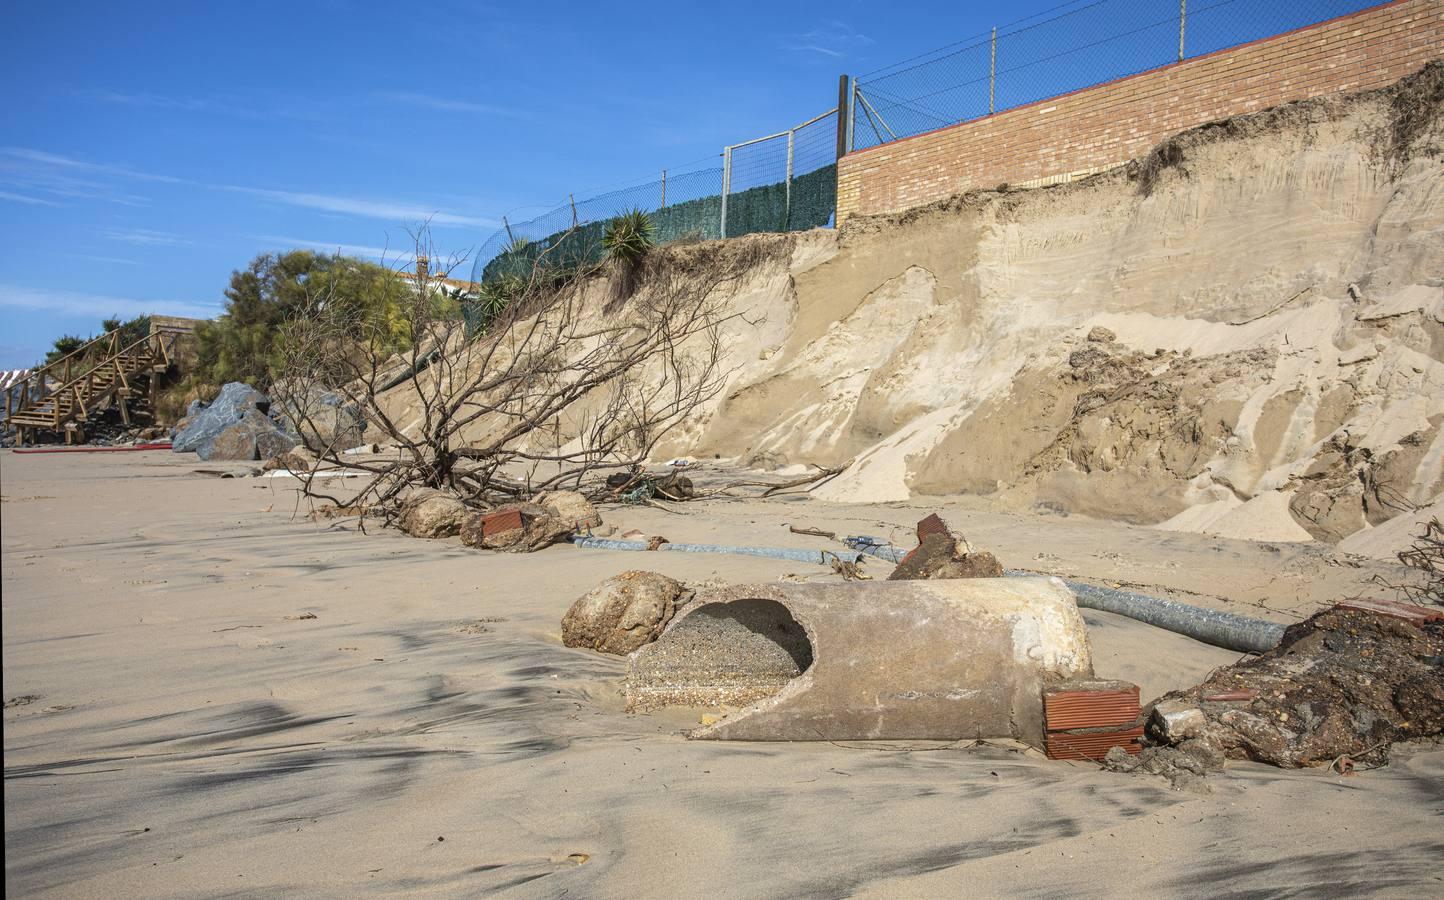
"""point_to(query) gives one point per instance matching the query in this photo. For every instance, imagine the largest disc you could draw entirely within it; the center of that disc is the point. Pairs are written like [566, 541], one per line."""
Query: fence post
[726, 184]
[992, 69]
[787, 193]
[851, 115]
[841, 116]
[1182, 20]
[664, 189]
[510, 239]
[573, 201]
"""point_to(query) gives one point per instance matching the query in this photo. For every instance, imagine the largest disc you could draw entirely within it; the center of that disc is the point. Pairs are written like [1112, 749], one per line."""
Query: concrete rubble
[947, 659]
[1340, 689]
[515, 527]
[623, 613]
[942, 553]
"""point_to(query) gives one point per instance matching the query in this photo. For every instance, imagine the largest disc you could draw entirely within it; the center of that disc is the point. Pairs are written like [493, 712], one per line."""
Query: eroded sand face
[1269, 361]
[150, 611]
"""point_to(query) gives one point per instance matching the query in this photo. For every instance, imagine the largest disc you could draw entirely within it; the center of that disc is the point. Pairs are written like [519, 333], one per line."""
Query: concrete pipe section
[891, 660]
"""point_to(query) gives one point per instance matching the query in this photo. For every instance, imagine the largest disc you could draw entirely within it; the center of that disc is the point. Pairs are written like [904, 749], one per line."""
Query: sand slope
[1273, 365]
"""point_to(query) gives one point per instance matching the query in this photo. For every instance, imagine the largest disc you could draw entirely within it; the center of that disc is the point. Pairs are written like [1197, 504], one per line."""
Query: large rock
[255, 436]
[204, 423]
[432, 515]
[623, 613]
[571, 507]
[321, 419]
[515, 527]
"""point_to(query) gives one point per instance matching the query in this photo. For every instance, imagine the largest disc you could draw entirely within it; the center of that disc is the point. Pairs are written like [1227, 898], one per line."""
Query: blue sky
[147, 149]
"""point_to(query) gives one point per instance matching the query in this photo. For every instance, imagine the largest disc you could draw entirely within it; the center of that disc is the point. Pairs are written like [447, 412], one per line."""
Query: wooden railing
[79, 395]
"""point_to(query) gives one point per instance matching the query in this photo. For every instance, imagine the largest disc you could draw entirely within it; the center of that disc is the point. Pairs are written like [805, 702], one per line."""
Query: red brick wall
[1106, 125]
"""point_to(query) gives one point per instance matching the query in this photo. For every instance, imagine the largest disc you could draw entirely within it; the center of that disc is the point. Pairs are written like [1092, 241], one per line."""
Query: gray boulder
[255, 436]
[623, 613]
[319, 418]
[205, 423]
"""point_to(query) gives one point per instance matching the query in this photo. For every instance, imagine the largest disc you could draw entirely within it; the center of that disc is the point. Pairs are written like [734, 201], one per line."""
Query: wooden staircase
[63, 395]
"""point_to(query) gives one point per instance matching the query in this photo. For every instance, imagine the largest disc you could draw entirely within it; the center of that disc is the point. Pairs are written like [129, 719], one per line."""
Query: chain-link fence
[782, 182]
[1076, 45]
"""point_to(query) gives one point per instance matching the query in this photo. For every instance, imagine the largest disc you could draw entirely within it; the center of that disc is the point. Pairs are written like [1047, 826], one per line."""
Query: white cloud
[379, 253]
[835, 39]
[68, 162]
[21, 198]
[99, 306]
[443, 104]
[374, 209]
[49, 168]
[144, 237]
[156, 100]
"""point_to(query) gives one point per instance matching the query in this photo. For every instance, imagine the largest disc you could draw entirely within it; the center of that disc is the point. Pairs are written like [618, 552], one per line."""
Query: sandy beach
[209, 694]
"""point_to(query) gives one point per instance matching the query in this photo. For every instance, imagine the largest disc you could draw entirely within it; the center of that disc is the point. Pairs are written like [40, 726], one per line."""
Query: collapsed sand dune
[1242, 334]
[1268, 359]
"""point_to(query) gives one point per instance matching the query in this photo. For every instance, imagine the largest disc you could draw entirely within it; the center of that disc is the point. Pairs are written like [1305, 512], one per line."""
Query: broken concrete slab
[928, 660]
[1346, 682]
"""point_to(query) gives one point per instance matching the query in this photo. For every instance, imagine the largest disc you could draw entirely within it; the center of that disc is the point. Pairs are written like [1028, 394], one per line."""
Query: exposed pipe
[821, 557]
[1221, 629]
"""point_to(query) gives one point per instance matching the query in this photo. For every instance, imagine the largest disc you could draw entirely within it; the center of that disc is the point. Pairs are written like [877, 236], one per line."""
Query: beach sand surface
[177, 723]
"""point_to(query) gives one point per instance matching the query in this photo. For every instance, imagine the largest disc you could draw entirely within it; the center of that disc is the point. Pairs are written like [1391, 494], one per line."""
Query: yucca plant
[627, 240]
[493, 297]
[628, 237]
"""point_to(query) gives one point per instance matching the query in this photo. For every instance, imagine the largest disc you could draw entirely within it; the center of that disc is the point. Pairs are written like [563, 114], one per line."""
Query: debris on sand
[1341, 688]
[297, 459]
[570, 507]
[623, 613]
[942, 553]
[935, 660]
[432, 514]
[1087, 719]
[514, 527]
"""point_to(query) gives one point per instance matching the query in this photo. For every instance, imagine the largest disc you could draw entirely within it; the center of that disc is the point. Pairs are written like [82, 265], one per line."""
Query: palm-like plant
[627, 240]
[629, 236]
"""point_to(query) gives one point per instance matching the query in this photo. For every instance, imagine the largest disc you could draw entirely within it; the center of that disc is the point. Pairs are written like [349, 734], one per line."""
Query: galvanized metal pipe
[821, 557]
[1221, 629]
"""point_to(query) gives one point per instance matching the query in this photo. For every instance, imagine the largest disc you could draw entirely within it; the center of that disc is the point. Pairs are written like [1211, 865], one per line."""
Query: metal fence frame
[860, 106]
[791, 135]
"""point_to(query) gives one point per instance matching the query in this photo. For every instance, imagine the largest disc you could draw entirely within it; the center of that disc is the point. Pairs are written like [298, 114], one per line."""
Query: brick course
[1103, 126]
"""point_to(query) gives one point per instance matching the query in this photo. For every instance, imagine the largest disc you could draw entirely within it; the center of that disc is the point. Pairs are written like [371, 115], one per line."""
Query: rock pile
[234, 426]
